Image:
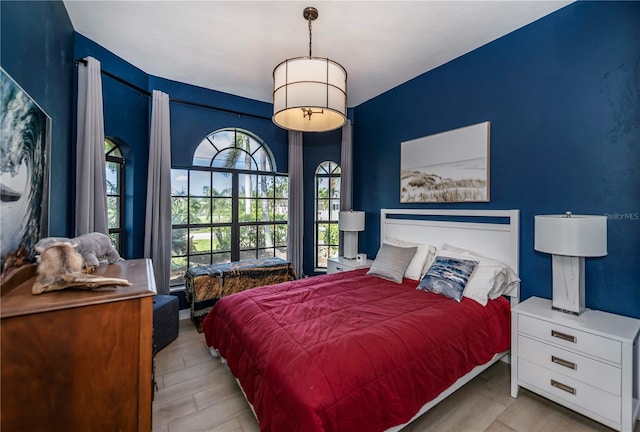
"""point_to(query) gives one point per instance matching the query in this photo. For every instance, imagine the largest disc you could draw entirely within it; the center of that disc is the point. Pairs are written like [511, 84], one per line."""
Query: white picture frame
[451, 166]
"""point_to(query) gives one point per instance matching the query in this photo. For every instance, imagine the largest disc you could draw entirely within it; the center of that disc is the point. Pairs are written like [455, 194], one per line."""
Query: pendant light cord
[309, 37]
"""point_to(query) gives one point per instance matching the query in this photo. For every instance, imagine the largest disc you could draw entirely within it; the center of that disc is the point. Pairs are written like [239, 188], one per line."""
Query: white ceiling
[233, 46]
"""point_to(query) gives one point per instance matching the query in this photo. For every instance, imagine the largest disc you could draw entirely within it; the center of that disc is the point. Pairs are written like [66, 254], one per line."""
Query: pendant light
[309, 93]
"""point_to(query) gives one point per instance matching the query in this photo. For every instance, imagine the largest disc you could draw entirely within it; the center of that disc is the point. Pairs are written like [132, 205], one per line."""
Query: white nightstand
[588, 363]
[340, 264]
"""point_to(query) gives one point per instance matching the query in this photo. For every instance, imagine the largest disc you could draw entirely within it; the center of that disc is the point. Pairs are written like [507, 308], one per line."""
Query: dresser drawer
[579, 395]
[597, 374]
[588, 343]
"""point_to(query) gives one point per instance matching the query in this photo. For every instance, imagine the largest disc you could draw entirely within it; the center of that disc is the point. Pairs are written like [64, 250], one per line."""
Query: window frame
[112, 157]
[326, 170]
[236, 224]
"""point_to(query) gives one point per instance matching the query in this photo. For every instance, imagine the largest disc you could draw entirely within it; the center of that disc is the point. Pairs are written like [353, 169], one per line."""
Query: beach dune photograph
[451, 166]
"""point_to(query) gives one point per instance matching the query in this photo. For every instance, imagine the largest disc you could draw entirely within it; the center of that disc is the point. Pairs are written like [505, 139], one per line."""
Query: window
[229, 205]
[114, 166]
[327, 210]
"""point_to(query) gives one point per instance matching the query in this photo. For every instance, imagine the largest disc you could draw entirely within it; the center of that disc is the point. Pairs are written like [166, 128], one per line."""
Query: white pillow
[391, 262]
[421, 261]
[505, 282]
[501, 281]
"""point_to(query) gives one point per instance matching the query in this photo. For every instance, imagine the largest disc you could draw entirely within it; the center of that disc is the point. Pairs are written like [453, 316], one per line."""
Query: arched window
[327, 210]
[230, 205]
[114, 166]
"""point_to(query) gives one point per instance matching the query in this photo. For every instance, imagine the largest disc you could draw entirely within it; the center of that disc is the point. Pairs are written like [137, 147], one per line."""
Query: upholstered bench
[204, 285]
[165, 321]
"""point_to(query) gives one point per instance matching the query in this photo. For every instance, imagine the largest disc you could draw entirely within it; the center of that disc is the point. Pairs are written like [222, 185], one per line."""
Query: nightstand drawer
[577, 340]
[341, 264]
[569, 364]
[334, 267]
[579, 395]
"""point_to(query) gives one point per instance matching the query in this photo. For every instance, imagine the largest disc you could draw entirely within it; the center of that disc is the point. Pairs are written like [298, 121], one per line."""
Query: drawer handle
[564, 363]
[339, 268]
[563, 387]
[564, 336]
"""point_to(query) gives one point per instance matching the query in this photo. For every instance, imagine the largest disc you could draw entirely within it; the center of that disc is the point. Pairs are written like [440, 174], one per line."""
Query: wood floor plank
[199, 369]
[527, 413]
[473, 412]
[168, 363]
[160, 428]
[443, 409]
[188, 387]
[173, 410]
[498, 426]
[497, 387]
[213, 395]
[198, 354]
[211, 416]
[243, 423]
[249, 422]
[232, 425]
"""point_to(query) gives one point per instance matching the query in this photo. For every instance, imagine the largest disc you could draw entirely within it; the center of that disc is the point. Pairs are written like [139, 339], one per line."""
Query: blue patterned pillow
[448, 276]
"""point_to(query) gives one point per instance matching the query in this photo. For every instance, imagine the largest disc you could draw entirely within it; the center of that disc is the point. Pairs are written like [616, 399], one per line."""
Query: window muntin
[327, 194]
[114, 172]
[229, 205]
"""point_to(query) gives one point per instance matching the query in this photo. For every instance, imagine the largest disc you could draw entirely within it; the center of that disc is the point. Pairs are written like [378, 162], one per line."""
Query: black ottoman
[165, 321]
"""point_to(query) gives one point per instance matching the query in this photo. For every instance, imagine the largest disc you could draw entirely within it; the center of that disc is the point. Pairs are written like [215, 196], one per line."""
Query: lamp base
[350, 244]
[568, 284]
[565, 311]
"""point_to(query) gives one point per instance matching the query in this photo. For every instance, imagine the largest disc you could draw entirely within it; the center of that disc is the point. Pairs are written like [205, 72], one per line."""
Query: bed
[352, 351]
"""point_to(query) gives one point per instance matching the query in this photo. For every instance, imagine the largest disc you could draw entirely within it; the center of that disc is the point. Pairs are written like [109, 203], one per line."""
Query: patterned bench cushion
[204, 285]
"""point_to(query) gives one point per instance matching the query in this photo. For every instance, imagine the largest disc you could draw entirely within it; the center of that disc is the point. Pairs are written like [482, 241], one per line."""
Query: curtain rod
[181, 101]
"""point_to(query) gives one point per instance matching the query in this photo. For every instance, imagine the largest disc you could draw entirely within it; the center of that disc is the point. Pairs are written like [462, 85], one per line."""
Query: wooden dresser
[78, 360]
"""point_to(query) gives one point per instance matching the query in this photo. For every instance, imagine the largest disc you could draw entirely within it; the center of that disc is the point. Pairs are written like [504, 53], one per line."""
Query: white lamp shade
[351, 221]
[315, 83]
[577, 235]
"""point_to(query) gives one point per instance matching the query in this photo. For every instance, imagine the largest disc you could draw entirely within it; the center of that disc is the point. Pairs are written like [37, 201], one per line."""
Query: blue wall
[563, 98]
[36, 50]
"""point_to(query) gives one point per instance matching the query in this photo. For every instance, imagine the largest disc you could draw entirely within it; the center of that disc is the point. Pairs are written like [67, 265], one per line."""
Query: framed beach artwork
[451, 166]
[25, 130]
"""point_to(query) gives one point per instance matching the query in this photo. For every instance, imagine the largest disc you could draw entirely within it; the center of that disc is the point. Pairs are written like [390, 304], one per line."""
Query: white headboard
[491, 233]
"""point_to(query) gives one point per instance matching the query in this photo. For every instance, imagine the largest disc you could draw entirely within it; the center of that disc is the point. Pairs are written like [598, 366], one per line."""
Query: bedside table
[588, 363]
[340, 264]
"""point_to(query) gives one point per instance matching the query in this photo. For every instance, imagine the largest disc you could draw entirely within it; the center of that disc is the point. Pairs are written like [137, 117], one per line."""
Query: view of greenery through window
[114, 170]
[230, 205]
[327, 210]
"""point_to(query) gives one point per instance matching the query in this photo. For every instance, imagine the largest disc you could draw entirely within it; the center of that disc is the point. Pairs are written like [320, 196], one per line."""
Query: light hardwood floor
[197, 393]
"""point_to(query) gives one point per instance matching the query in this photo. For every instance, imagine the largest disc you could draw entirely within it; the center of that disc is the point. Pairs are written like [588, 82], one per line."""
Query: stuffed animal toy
[95, 248]
[60, 267]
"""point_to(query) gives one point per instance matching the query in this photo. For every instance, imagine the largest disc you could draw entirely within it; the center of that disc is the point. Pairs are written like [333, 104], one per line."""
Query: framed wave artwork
[451, 166]
[25, 131]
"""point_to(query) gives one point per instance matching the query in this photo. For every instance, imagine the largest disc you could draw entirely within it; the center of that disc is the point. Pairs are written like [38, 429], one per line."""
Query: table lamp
[351, 222]
[570, 238]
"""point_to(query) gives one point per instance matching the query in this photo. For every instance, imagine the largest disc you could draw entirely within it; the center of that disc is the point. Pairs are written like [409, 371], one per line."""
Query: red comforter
[350, 352]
